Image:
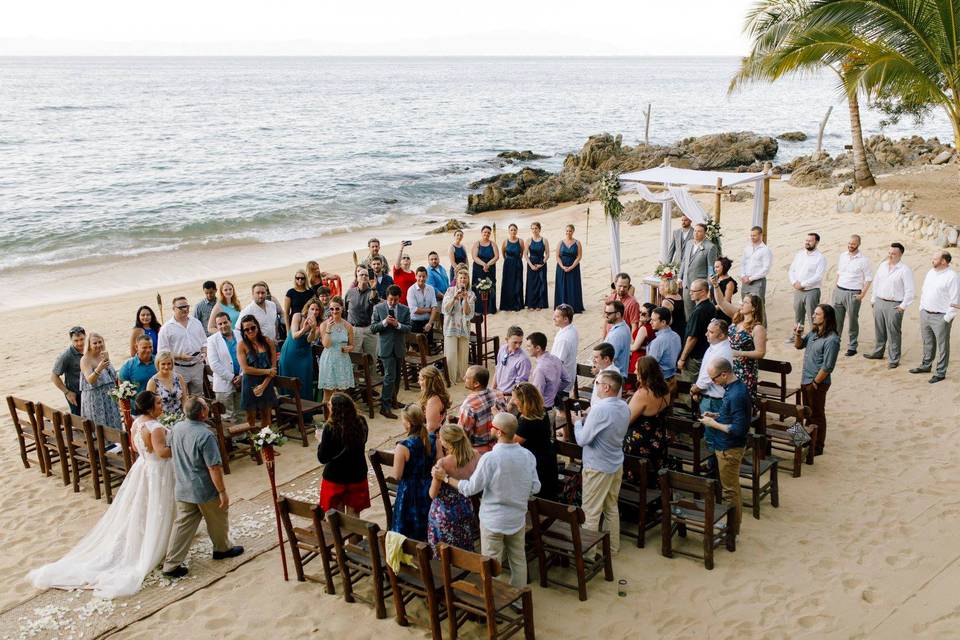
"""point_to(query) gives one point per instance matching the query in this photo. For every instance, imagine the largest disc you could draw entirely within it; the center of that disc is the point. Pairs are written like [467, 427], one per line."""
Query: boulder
[519, 156]
[640, 211]
[449, 226]
[943, 157]
[847, 188]
[792, 136]
[953, 235]
[723, 150]
[738, 195]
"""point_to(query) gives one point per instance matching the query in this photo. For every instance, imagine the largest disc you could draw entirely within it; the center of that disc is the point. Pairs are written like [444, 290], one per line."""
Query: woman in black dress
[511, 281]
[536, 256]
[534, 433]
[671, 299]
[647, 435]
[724, 286]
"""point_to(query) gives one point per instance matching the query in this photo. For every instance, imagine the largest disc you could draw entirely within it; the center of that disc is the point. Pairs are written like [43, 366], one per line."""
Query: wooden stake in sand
[587, 234]
[160, 306]
[646, 128]
[823, 125]
[269, 459]
[355, 261]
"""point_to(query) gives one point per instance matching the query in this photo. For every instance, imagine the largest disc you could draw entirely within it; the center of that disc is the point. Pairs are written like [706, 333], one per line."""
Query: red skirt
[334, 495]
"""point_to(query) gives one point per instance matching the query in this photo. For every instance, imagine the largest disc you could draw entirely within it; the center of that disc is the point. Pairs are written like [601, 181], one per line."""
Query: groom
[200, 491]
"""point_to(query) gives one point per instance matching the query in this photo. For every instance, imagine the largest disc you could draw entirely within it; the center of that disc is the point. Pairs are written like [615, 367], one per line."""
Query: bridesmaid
[536, 255]
[457, 254]
[511, 289]
[567, 288]
[485, 255]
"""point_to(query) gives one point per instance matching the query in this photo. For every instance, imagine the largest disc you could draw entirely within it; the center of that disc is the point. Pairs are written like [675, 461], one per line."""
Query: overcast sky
[373, 27]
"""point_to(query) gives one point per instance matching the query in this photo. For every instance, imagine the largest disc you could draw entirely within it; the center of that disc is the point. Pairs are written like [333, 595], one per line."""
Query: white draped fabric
[614, 228]
[687, 203]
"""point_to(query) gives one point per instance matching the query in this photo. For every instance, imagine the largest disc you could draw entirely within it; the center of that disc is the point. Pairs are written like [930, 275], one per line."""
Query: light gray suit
[678, 241]
[695, 265]
[392, 347]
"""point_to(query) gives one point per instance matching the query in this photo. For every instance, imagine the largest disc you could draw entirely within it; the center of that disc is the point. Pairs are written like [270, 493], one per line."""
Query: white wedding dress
[130, 540]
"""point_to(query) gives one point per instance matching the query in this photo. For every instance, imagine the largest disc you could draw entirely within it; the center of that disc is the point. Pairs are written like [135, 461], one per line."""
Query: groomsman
[806, 276]
[390, 320]
[854, 275]
[892, 293]
[679, 240]
[939, 299]
[755, 265]
[698, 257]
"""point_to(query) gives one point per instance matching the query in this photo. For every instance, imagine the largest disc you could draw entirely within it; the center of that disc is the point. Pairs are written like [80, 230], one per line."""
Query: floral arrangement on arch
[267, 437]
[123, 391]
[714, 233]
[608, 192]
[666, 270]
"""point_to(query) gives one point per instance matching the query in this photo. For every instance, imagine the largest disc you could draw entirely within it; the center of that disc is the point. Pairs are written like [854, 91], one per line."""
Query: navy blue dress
[411, 509]
[459, 257]
[536, 280]
[567, 288]
[511, 288]
[485, 253]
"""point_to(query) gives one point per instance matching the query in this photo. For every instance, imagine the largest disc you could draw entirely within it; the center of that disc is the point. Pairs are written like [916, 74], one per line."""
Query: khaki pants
[728, 468]
[193, 376]
[600, 494]
[509, 547]
[457, 351]
[185, 527]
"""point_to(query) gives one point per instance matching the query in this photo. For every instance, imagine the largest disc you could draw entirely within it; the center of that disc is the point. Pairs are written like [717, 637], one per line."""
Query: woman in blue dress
[336, 368]
[567, 288]
[146, 324]
[97, 379]
[413, 460]
[296, 354]
[228, 303]
[511, 285]
[457, 254]
[537, 251]
[257, 355]
[485, 256]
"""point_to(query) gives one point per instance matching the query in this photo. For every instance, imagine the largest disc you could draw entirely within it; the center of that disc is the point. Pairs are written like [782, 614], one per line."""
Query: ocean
[102, 158]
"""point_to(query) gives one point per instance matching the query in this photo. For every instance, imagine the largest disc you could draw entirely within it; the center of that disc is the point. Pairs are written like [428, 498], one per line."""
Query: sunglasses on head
[78, 331]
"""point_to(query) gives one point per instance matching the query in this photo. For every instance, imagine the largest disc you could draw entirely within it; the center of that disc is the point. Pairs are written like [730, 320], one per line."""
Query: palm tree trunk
[861, 170]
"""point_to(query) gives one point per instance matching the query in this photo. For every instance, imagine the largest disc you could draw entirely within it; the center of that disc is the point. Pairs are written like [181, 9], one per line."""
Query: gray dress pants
[887, 323]
[935, 332]
[804, 302]
[846, 303]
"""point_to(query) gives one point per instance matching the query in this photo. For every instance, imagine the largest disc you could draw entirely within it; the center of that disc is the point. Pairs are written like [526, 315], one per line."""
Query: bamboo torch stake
[587, 241]
[160, 306]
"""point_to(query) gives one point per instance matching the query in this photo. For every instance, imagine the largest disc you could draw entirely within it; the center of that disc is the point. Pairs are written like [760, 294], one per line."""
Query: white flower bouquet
[484, 285]
[267, 437]
[666, 271]
[170, 419]
[126, 390]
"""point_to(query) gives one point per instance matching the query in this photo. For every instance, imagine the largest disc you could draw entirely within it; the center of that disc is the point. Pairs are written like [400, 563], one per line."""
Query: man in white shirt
[806, 276]
[602, 361]
[755, 265]
[566, 342]
[186, 339]
[422, 300]
[265, 311]
[854, 275]
[705, 390]
[891, 294]
[939, 298]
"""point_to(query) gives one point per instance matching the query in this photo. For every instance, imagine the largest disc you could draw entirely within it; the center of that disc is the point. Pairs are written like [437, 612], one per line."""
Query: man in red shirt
[631, 308]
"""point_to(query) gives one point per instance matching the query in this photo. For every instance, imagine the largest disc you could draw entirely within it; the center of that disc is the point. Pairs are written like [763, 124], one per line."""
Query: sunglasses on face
[181, 307]
[335, 309]
[249, 329]
[300, 278]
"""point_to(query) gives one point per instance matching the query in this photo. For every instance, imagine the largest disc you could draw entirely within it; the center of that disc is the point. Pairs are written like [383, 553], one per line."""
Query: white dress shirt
[940, 290]
[854, 271]
[507, 476]
[808, 268]
[704, 383]
[893, 283]
[566, 343]
[267, 317]
[425, 298]
[176, 338]
[756, 261]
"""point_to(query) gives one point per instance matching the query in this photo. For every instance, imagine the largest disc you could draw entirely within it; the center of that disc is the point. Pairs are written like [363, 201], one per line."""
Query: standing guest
[699, 256]
[412, 460]
[729, 427]
[806, 276]
[485, 255]
[373, 248]
[723, 286]
[938, 299]
[679, 240]
[459, 304]
[222, 357]
[279, 328]
[336, 368]
[534, 434]
[513, 365]
[296, 297]
[257, 355]
[666, 346]
[296, 354]
[642, 335]
[566, 343]
[265, 312]
[203, 309]
[670, 298]
[567, 288]
[479, 407]
[704, 390]
[602, 359]
[314, 277]
[403, 276]
[186, 339]
[822, 346]
[601, 436]
[756, 263]
[536, 257]
[228, 303]
[434, 399]
[647, 435]
[549, 376]
[618, 336]
[451, 519]
[66, 370]
[380, 279]
[854, 274]
[97, 379]
[511, 285]
[695, 343]
[145, 325]
[748, 339]
[323, 299]
[457, 254]
[507, 478]
[436, 275]
[341, 449]
[422, 300]
[168, 384]
[892, 293]
[631, 308]
[141, 367]
[359, 303]
[390, 320]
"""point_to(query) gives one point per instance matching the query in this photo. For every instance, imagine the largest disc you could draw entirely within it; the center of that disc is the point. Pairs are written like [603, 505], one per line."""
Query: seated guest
[642, 336]
[203, 309]
[265, 311]
[97, 379]
[412, 459]
[296, 298]
[434, 399]
[222, 358]
[381, 280]
[66, 369]
[618, 336]
[403, 276]
[459, 304]
[507, 478]
[647, 436]
[549, 376]
[478, 408]
[140, 368]
[513, 365]
[451, 518]
[729, 428]
[145, 325]
[707, 392]
[186, 339]
[257, 355]
[341, 448]
[168, 384]
[695, 344]
[665, 347]
[228, 303]
[601, 435]
[602, 361]
[422, 300]
[436, 275]
[533, 432]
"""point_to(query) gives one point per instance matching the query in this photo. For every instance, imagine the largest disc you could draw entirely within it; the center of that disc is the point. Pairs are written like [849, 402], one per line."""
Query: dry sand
[863, 545]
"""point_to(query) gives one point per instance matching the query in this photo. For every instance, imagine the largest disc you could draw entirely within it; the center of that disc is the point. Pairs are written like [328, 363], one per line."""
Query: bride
[131, 538]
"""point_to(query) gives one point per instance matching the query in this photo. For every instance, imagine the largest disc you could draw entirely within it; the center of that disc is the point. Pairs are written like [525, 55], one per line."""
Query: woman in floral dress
[647, 434]
[336, 369]
[97, 379]
[451, 518]
[748, 339]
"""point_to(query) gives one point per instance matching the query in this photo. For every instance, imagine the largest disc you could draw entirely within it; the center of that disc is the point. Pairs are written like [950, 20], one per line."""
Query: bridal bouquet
[123, 391]
[170, 419]
[267, 437]
[666, 271]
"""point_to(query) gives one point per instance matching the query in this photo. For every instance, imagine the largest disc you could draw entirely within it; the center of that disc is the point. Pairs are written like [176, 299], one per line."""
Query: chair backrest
[454, 560]
[585, 378]
[570, 450]
[363, 362]
[75, 427]
[684, 426]
[556, 511]
[678, 481]
[19, 408]
[417, 346]
[107, 436]
[207, 383]
[635, 473]
[781, 368]
[421, 554]
[308, 510]
[388, 486]
[287, 386]
[798, 412]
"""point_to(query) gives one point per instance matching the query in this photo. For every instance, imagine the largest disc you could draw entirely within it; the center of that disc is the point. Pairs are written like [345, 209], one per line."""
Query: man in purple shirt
[550, 376]
[513, 365]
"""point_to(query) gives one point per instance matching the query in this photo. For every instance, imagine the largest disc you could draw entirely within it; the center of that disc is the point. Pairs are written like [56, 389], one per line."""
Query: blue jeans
[712, 405]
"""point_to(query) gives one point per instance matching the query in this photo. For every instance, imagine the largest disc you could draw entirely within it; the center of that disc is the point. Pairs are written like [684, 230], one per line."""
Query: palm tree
[784, 42]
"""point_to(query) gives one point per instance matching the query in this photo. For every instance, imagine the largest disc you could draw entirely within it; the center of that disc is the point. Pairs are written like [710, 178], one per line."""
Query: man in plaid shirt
[479, 407]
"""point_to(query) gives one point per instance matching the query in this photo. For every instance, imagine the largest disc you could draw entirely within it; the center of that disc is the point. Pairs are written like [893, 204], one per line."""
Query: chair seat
[503, 593]
[695, 514]
[556, 537]
[629, 495]
[311, 534]
[309, 407]
[746, 467]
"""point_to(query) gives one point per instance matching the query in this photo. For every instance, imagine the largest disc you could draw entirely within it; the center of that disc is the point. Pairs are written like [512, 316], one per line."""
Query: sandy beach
[862, 546]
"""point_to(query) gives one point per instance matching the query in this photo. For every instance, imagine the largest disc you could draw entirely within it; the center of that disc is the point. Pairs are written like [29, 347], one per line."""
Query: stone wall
[929, 228]
[897, 203]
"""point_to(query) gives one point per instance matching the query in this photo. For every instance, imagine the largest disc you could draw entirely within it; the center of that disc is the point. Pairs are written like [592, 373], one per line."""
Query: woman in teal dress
[336, 369]
[511, 285]
[296, 354]
[97, 379]
[537, 251]
[567, 288]
[485, 257]
[413, 460]
[228, 303]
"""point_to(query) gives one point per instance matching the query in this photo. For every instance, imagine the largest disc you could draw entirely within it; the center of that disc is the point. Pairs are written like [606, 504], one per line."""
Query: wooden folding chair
[417, 357]
[82, 451]
[50, 439]
[293, 411]
[570, 467]
[560, 539]
[470, 590]
[114, 464]
[23, 413]
[637, 496]
[687, 445]
[309, 542]
[482, 346]
[583, 390]
[683, 405]
[758, 470]
[364, 382]
[422, 579]
[358, 556]
[776, 388]
[704, 516]
[780, 439]
[230, 437]
[380, 460]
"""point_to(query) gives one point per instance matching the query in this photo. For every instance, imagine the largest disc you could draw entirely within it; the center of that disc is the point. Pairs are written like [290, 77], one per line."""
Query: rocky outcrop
[449, 226]
[520, 156]
[792, 136]
[640, 211]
